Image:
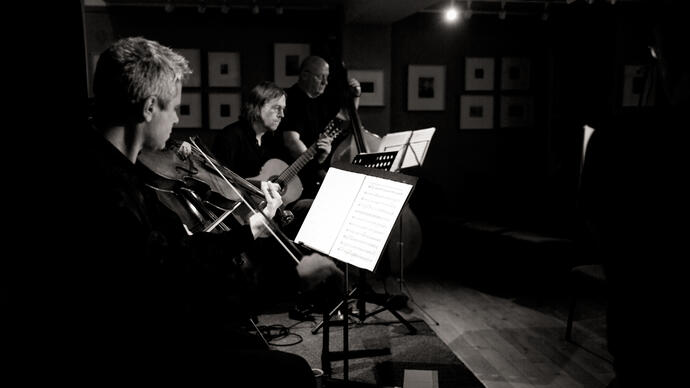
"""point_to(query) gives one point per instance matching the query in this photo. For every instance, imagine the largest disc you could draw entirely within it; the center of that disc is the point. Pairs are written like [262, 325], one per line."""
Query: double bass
[405, 240]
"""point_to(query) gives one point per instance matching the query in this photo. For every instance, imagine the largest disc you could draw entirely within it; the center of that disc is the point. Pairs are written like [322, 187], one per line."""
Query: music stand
[351, 220]
[412, 147]
[382, 161]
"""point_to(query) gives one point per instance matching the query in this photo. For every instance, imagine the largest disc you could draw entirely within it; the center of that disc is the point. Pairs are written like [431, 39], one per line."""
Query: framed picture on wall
[224, 69]
[517, 111]
[479, 73]
[286, 60]
[476, 111]
[194, 58]
[371, 82]
[515, 73]
[190, 111]
[426, 87]
[223, 109]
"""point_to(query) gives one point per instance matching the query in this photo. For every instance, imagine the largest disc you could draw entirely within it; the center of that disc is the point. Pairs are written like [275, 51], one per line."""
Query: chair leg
[569, 324]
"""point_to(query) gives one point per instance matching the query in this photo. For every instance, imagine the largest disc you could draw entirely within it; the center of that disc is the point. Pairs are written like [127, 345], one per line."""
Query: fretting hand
[323, 144]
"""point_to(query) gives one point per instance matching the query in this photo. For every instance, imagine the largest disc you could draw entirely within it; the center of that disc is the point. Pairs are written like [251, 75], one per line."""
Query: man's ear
[149, 107]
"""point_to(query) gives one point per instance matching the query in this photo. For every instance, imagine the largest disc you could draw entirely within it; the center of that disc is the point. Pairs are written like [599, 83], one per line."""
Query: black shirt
[236, 148]
[308, 117]
[144, 291]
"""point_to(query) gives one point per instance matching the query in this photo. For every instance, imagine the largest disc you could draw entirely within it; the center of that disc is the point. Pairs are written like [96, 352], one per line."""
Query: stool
[581, 277]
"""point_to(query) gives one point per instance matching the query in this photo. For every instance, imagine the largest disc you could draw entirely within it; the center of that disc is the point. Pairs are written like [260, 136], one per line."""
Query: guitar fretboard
[332, 129]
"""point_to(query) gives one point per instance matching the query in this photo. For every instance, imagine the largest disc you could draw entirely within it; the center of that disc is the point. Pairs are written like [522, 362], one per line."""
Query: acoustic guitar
[277, 171]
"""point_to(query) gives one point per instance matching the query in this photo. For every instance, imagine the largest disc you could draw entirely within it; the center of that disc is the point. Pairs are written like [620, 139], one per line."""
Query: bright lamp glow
[451, 14]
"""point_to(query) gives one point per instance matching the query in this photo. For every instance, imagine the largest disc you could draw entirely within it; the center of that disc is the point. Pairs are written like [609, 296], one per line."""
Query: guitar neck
[291, 172]
[332, 129]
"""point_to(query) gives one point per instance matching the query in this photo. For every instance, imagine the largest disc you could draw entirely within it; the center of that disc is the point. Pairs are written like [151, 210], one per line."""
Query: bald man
[309, 110]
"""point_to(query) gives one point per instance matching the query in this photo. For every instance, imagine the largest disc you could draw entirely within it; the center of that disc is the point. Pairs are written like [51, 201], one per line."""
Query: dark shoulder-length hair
[259, 95]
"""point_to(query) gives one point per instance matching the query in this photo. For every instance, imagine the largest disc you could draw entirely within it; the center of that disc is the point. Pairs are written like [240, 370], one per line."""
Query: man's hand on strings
[273, 202]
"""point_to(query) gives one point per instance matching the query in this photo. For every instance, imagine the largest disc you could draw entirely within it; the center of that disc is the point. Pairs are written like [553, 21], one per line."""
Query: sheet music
[419, 141]
[352, 216]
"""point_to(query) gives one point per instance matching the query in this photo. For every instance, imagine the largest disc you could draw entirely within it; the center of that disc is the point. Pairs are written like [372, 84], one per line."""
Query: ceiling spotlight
[612, 2]
[569, 1]
[590, 2]
[451, 13]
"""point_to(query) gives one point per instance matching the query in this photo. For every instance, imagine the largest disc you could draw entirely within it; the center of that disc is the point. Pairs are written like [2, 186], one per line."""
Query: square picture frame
[476, 111]
[190, 113]
[479, 73]
[224, 69]
[517, 111]
[426, 87]
[287, 57]
[193, 56]
[515, 73]
[372, 85]
[223, 109]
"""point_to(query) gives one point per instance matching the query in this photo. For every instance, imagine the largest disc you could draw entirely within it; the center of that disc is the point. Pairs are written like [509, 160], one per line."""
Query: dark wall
[516, 175]
[368, 47]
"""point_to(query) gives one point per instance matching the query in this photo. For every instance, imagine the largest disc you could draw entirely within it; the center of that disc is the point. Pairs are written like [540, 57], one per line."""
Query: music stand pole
[401, 244]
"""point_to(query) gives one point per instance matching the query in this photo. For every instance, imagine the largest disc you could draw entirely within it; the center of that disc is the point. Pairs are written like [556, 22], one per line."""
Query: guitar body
[271, 171]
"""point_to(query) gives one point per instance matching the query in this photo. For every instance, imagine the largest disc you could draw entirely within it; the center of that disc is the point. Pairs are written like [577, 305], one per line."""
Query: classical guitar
[277, 171]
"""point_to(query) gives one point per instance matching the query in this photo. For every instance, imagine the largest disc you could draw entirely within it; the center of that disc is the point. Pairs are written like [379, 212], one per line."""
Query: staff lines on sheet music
[359, 241]
[378, 199]
[372, 211]
[353, 254]
[380, 225]
[347, 244]
[384, 188]
[367, 225]
[343, 225]
[364, 236]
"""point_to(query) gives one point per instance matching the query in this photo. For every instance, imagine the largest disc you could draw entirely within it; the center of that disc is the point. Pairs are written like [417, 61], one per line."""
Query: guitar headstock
[333, 128]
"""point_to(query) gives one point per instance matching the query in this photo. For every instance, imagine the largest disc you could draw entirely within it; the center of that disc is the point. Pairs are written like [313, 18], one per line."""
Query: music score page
[352, 216]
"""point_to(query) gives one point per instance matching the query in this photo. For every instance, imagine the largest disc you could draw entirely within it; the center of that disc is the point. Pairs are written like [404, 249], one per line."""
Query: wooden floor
[513, 340]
